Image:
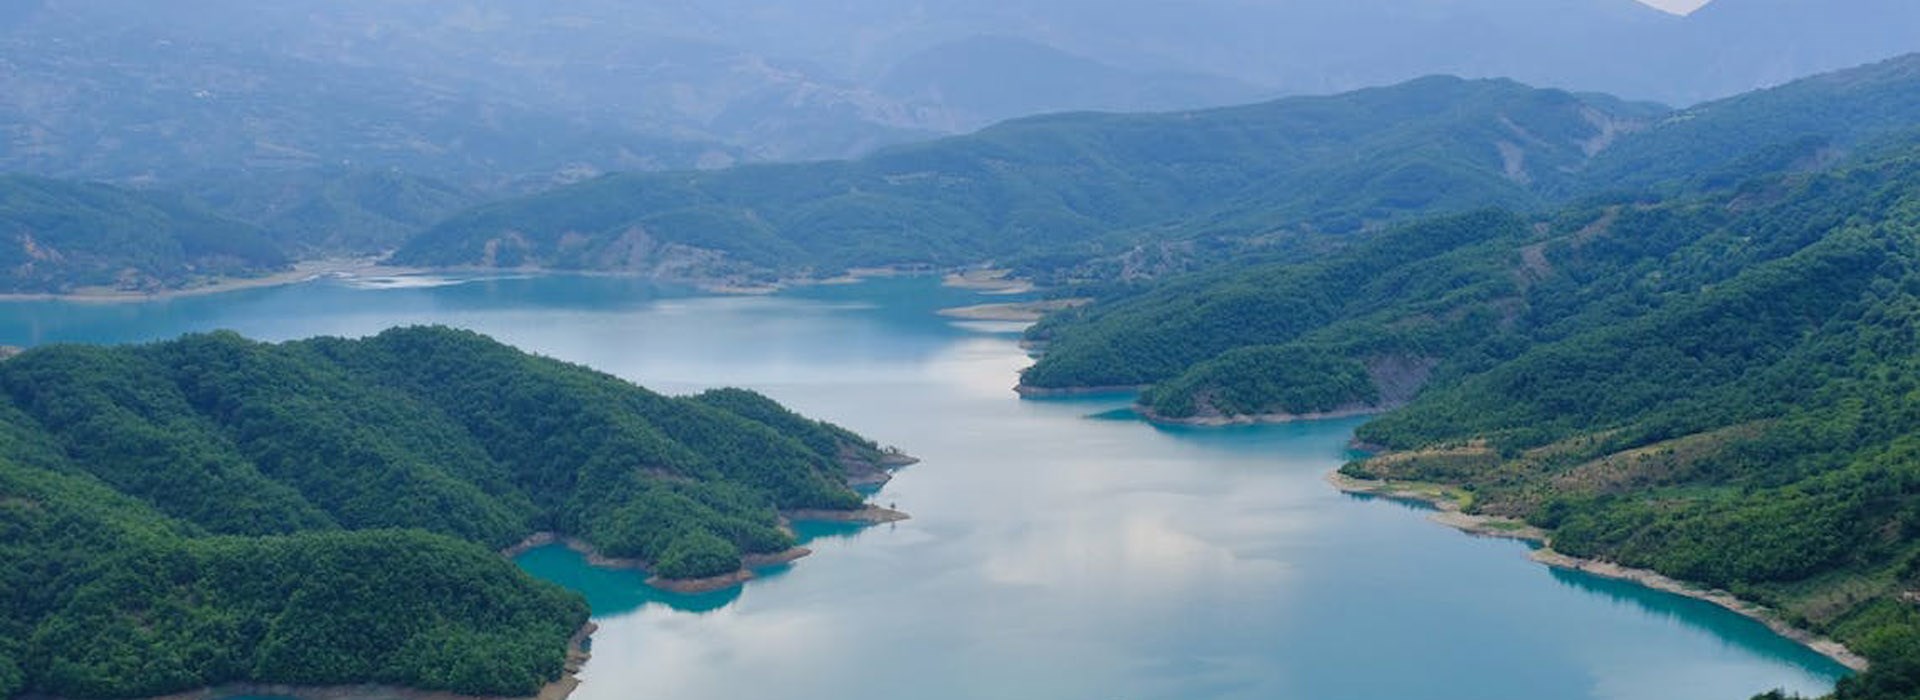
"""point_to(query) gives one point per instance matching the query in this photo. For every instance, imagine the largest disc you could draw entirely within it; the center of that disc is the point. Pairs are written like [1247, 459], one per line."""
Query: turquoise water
[1059, 550]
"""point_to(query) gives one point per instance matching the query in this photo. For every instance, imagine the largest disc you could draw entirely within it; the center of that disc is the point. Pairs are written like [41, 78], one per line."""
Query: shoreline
[861, 472]
[303, 271]
[686, 586]
[1017, 311]
[749, 563]
[986, 281]
[1447, 512]
[578, 652]
[309, 270]
[1036, 392]
[870, 515]
[1260, 418]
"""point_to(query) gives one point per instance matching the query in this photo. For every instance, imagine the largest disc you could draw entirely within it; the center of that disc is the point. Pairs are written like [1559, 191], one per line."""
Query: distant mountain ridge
[1053, 192]
[1059, 184]
[504, 96]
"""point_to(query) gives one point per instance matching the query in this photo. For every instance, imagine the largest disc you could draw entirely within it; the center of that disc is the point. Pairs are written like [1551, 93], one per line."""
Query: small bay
[1057, 549]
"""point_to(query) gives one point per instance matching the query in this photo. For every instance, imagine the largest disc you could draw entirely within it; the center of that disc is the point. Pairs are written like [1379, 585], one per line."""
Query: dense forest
[1721, 391]
[214, 509]
[1414, 294]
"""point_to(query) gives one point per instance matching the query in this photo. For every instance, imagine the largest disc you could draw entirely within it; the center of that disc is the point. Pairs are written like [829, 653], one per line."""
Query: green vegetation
[1717, 387]
[1366, 319]
[214, 509]
[1097, 199]
[328, 211]
[61, 237]
[1804, 125]
[1060, 189]
[1744, 419]
[58, 236]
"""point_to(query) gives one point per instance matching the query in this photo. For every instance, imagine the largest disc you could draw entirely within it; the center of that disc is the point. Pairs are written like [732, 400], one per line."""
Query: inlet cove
[1058, 548]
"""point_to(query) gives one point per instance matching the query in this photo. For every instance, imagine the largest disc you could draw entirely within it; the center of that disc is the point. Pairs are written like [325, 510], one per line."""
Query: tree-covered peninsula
[214, 510]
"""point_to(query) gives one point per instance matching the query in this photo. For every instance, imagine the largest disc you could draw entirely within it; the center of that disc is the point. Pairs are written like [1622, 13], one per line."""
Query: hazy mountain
[991, 78]
[1735, 45]
[124, 91]
[1802, 125]
[1068, 184]
[516, 94]
[330, 211]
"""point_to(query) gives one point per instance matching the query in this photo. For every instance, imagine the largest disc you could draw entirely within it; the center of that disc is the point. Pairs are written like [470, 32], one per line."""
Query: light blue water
[1053, 554]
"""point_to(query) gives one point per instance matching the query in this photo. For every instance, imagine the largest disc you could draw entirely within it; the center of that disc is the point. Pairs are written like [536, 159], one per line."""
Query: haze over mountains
[1680, 338]
[511, 94]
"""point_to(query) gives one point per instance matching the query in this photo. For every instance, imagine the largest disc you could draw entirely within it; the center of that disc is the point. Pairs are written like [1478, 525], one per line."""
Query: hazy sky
[1678, 6]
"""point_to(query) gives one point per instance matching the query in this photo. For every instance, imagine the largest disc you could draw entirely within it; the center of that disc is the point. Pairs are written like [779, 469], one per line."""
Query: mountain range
[506, 95]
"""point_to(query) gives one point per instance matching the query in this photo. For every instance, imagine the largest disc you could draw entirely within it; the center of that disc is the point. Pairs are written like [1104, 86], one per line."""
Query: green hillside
[328, 211]
[1071, 185]
[1748, 426]
[213, 509]
[1803, 125]
[58, 236]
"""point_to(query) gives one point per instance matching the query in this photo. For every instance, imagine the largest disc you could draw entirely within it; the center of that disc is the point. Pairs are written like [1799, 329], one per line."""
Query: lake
[1058, 550]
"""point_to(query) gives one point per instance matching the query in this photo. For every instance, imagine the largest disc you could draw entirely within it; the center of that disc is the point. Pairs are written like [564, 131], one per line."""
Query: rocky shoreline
[870, 515]
[1448, 513]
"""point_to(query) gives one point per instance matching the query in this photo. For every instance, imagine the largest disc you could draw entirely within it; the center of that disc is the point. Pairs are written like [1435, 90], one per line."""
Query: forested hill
[1065, 194]
[1722, 152]
[1803, 125]
[1727, 396]
[1720, 388]
[322, 512]
[1062, 185]
[58, 236]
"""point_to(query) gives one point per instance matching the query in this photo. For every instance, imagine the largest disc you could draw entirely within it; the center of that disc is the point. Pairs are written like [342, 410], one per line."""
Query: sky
[1680, 7]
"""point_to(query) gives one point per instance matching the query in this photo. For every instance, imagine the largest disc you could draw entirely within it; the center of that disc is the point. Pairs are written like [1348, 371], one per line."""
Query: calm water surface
[1055, 553]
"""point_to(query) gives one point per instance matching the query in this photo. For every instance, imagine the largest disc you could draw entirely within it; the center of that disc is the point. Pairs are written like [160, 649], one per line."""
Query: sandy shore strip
[578, 652]
[302, 272]
[1023, 311]
[988, 281]
[1446, 501]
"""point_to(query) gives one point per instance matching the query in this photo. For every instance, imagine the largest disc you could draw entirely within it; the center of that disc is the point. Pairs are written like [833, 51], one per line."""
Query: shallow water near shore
[1058, 549]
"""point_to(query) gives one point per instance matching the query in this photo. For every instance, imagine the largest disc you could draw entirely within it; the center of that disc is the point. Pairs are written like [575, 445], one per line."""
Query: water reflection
[615, 592]
[1751, 636]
